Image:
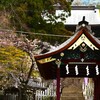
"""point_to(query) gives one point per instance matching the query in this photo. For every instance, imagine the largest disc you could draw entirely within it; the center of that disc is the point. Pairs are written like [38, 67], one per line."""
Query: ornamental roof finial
[83, 18]
[83, 21]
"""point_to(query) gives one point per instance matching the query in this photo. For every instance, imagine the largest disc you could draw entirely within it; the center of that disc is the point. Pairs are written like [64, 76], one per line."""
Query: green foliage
[55, 29]
[48, 98]
[11, 56]
[15, 62]
[28, 15]
[98, 6]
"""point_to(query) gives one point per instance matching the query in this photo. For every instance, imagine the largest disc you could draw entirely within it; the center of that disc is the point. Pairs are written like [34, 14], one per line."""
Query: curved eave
[47, 70]
[69, 42]
[93, 39]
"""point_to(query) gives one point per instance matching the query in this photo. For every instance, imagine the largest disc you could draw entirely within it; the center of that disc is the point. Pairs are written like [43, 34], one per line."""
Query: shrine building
[79, 56]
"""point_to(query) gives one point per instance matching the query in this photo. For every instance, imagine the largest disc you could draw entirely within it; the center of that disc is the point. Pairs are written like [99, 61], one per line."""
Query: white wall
[92, 16]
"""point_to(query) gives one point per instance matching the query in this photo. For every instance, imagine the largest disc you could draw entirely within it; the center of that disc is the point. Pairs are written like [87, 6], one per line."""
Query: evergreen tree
[29, 15]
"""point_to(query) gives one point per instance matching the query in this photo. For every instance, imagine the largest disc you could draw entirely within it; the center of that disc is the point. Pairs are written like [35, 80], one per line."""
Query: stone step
[72, 98]
[72, 94]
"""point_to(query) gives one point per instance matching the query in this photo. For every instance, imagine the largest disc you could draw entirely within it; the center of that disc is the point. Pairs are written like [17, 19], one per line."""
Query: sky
[87, 2]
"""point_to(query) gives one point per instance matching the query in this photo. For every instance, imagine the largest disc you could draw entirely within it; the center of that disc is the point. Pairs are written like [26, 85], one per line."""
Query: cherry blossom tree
[17, 63]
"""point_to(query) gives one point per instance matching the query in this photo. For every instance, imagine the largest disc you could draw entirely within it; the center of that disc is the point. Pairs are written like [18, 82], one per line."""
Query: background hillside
[27, 17]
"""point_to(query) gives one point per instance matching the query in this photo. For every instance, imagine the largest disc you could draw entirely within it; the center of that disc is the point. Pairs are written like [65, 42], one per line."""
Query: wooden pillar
[58, 62]
[58, 84]
[97, 88]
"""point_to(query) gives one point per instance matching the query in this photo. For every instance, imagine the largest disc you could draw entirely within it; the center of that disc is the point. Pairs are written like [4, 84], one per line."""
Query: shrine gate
[79, 56]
